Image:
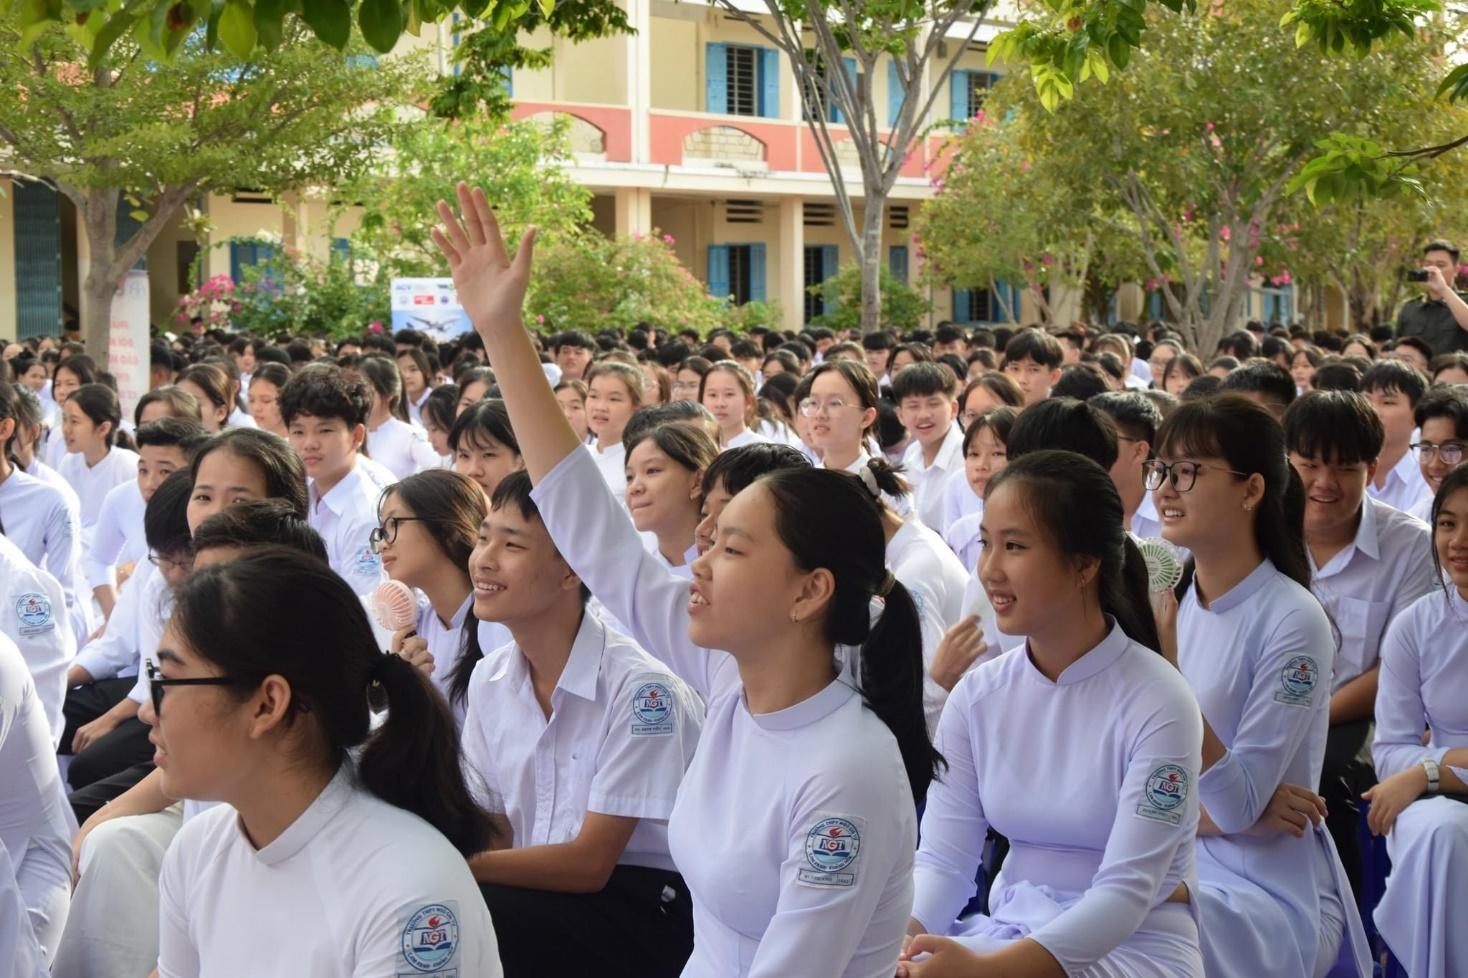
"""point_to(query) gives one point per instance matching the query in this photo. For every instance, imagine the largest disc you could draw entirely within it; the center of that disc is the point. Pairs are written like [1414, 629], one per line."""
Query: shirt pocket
[1361, 623]
[573, 792]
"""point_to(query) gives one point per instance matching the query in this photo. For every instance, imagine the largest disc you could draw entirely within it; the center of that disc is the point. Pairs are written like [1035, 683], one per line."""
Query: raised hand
[491, 287]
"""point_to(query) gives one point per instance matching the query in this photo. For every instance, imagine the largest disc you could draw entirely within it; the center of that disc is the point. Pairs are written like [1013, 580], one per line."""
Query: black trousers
[116, 761]
[640, 925]
[1346, 773]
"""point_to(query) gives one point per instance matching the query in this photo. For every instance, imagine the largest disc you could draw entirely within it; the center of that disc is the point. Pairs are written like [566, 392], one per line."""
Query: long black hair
[329, 658]
[1074, 501]
[829, 519]
[1456, 479]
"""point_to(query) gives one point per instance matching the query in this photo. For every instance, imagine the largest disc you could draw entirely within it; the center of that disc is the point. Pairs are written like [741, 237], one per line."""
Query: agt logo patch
[34, 612]
[367, 561]
[831, 850]
[1164, 794]
[652, 710]
[1297, 681]
[430, 939]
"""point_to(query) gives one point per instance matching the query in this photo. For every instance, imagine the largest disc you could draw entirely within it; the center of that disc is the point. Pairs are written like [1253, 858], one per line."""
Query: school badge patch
[1297, 681]
[430, 941]
[1164, 794]
[652, 710]
[832, 847]
[33, 610]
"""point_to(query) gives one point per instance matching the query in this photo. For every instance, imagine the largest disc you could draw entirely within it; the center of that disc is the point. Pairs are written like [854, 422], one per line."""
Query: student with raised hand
[326, 414]
[665, 467]
[325, 818]
[797, 897]
[164, 447]
[1419, 803]
[727, 390]
[581, 740]
[1366, 568]
[1099, 877]
[428, 523]
[1257, 648]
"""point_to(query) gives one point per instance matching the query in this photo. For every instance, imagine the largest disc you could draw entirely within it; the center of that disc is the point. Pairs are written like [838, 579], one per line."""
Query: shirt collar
[1240, 592]
[578, 678]
[950, 449]
[1089, 664]
[807, 711]
[317, 816]
[336, 499]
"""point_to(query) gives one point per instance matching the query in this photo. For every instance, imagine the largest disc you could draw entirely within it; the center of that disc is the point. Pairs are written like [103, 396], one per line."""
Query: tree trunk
[874, 215]
[97, 219]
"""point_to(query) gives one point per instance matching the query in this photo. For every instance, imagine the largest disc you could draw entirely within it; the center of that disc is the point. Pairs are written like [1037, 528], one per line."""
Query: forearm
[1447, 780]
[1022, 959]
[544, 434]
[561, 868]
[144, 798]
[125, 709]
[1356, 699]
[1458, 308]
[106, 596]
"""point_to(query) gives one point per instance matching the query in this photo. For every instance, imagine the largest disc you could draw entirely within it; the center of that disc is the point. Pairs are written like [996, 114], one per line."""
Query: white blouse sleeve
[954, 825]
[1401, 714]
[107, 539]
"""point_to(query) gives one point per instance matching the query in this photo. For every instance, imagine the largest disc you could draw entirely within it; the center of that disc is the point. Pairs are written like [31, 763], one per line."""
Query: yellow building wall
[8, 288]
[677, 65]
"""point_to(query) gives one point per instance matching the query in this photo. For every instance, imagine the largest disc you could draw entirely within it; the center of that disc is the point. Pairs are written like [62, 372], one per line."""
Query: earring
[794, 617]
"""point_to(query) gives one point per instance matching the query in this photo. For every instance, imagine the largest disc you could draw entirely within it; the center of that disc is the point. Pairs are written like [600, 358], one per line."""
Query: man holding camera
[1440, 318]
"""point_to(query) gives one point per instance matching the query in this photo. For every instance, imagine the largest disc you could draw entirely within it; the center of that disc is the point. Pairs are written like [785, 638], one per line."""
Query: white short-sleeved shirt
[33, 615]
[117, 537]
[935, 579]
[445, 644]
[1114, 745]
[93, 482]
[239, 418]
[930, 482]
[415, 408]
[37, 517]
[115, 653]
[1383, 570]
[819, 882]
[34, 824]
[620, 735]
[959, 498]
[746, 437]
[402, 447]
[1424, 676]
[962, 538]
[1404, 487]
[345, 517]
[612, 464]
[378, 474]
[354, 887]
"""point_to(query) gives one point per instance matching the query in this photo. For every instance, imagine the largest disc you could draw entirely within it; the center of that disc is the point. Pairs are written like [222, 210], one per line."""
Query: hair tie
[885, 588]
[380, 668]
[869, 479]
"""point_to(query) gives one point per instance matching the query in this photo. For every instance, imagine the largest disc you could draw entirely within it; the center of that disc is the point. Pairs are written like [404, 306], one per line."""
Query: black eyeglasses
[388, 531]
[1183, 475]
[157, 681]
[184, 564]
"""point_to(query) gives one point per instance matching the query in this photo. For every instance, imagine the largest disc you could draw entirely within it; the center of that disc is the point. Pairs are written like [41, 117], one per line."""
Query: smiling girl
[665, 466]
[614, 392]
[94, 464]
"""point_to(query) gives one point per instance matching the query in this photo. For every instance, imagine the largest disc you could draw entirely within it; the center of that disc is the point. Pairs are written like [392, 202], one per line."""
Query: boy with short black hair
[927, 405]
[1262, 381]
[1393, 387]
[1032, 359]
[325, 413]
[1137, 419]
[1442, 433]
[878, 346]
[574, 350]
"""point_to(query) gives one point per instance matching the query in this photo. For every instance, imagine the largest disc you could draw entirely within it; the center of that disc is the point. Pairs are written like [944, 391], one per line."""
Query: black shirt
[1433, 321]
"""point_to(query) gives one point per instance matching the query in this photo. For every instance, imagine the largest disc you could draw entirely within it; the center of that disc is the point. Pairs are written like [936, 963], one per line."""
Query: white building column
[633, 211]
[638, 53]
[790, 262]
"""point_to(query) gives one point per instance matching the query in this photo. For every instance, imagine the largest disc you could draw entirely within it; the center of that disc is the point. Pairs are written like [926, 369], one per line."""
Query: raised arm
[491, 289]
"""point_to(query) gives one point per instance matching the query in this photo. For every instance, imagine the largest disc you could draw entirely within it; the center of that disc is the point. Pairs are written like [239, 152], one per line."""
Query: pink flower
[540, 320]
[1225, 232]
[1258, 260]
[374, 327]
[1209, 127]
[668, 239]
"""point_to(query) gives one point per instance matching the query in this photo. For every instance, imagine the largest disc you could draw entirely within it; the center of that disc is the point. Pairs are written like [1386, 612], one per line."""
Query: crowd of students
[973, 652]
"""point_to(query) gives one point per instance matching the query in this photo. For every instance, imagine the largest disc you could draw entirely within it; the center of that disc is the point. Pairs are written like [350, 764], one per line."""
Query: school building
[691, 127]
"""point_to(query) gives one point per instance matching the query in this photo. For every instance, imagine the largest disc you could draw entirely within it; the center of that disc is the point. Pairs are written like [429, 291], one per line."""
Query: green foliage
[298, 293]
[1351, 166]
[903, 307]
[594, 282]
[1333, 24]
[741, 319]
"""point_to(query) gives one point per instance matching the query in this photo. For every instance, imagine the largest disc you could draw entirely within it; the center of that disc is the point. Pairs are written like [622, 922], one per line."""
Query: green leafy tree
[158, 135]
[903, 307]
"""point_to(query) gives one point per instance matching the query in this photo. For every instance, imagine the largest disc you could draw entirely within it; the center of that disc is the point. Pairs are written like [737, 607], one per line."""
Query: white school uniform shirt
[959, 498]
[445, 644]
[38, 519]
[116, 652]
[403, 448]
[415, 408]
[93, 482]
[117, 537]
[1259, 660]
[1146, 524]
[55, 448]
[1424, 672]
[791, 913]
[239, 418]
[935, 579]
[354, 887]
[1423, 509]
[345, 517]
[1093, 779]
[1382, 571]
[930, 482]
[612, 464]
[901, 505]
[34, 617]
[378, 474]
[962, 538]
[18, 943]
[746, 437]
[51, 477]
[620, 735]
[1404, 487]
[34, 824]
[154, 610]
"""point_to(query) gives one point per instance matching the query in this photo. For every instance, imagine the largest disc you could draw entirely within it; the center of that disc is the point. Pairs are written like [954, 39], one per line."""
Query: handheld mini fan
[1163, 568]
[394, 606]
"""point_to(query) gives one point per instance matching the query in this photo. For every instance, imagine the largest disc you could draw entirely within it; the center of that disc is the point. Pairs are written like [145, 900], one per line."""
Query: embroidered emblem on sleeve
[1164, 794]
[34, 612]
[430, 941]
[1297, 681]
[368, 562]
[832, 848]
[652, 710]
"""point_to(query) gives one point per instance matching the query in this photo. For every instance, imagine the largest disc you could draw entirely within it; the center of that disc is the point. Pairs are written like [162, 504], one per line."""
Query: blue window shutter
[341, 249]
[958, 107]
[769, 83]
[509, 75]
[830, 265]
[243, 253]
[37, 230]
[836, 114]
[894, 94]
[719, 272]
[961, 306]
[897, 262]
[717, 80]
[757, 273]
[1154, 305]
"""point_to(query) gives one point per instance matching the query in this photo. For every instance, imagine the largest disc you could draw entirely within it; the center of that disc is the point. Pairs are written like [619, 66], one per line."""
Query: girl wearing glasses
[326, 820]
[427, 527]
[1418, 804]
[1442, 433]
[1258, 650]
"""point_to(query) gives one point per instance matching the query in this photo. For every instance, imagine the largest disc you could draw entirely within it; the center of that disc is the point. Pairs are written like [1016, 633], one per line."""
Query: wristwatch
[1430, 766]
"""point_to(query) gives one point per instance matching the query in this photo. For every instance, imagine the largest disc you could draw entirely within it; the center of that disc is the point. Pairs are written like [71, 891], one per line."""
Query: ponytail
[882, 478]
[1127, 598]
[892, 686]
[412, 759]
[469, 655]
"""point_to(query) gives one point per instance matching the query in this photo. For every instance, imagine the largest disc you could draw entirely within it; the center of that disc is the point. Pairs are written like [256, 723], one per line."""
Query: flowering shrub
[212, 303]
[296, 293]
